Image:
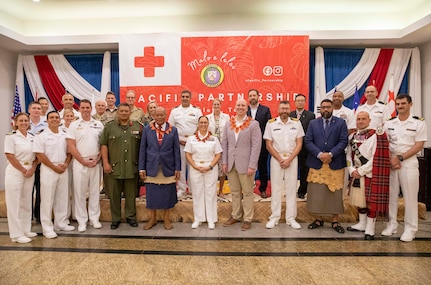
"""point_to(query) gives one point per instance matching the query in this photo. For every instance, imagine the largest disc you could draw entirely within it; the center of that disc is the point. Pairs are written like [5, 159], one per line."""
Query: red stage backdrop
[158, 67]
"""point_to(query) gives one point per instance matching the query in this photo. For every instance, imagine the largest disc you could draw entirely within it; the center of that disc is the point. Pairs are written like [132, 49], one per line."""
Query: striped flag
[16, 105]
[356, 99]
[391, 97]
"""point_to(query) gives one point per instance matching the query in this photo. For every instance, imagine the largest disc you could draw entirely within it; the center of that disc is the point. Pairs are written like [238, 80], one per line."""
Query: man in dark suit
[160, 166]
[326, 139]
[261, 114]
[305, 117]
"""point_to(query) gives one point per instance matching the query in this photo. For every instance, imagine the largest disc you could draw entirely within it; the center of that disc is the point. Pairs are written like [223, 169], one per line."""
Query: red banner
[159, 67]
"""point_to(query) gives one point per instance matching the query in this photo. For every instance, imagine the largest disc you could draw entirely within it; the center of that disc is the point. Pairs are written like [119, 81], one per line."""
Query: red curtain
[53, 87]
[378, 75]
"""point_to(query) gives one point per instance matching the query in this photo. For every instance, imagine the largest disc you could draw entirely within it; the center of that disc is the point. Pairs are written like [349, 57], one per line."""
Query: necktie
[160, 134]
[326, 124]
[298, 115]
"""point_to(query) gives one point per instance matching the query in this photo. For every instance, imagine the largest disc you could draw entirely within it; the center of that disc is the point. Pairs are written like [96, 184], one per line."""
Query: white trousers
[18, 191]
[204, 194]
[86, 178]
[53, 196]
[283, 181]
[182, 182]
[408, 178]
[71, 203]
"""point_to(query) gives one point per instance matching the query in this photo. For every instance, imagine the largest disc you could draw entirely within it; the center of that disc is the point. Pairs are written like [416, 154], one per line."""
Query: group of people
[71, 148]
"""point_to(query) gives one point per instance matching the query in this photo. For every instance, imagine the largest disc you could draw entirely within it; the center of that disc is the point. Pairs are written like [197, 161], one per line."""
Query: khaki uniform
[123, 147]
[137, 114]
[111, 114]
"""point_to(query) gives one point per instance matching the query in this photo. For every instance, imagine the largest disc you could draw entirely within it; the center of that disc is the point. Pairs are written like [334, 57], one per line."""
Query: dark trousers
[303, 173]
[36, 196]
[128, 186]
[262, 166]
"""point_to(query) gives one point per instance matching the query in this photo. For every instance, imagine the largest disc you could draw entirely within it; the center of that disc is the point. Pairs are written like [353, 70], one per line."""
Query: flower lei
[243, 126]
[204, 139]
[160, 132]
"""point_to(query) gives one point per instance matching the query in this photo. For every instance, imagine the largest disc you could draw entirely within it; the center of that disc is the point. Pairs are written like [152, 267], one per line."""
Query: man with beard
[283, 138]
[326, 140]
[261, 114]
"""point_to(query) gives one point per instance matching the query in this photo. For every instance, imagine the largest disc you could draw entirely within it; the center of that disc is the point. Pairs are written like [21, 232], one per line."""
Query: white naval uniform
[186, 122]
[348, 115]
[283, 137]
[402, 135]
[18, 189]
[86, 135]
[71, 203]
[204, 184]
[379, 113]
[53, 186]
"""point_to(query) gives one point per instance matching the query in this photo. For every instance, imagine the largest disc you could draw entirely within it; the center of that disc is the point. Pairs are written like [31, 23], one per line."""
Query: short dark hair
[33, 103]
[110, 92]
[85, 101]
[187, 92]
[402, 96]
[285, 102]
[253, 90]
[42, 98]
[300, 95]
[327, 101]
[124, 104]
[50, 112]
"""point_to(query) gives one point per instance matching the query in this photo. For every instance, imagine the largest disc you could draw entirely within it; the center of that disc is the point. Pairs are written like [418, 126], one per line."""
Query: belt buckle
[201, 162]
[26, 163]
[284, 154]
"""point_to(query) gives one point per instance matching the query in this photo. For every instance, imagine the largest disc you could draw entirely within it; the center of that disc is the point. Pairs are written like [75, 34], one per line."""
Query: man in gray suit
[241, 148]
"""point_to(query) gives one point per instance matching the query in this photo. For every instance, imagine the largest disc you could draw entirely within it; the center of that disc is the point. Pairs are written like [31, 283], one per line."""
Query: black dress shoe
[263, 195]
[368, 237]
[132, 223]
[115, 225]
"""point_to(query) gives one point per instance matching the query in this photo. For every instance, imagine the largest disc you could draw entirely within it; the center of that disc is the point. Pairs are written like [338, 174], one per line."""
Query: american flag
[356, 99]
[16, 105]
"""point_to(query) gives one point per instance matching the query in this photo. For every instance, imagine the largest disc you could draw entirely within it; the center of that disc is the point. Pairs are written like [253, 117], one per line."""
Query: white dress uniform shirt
[379, 113]
[347, 115]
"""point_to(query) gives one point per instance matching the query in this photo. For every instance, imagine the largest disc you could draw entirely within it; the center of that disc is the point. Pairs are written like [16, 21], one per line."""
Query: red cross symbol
[149, 62]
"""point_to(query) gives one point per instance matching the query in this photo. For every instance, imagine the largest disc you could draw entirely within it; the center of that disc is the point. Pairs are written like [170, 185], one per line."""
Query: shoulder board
[40, 131]
[196, 107]
[64, 130]
[392, 118]
[11, 133]
[177, 106]
[418, 118]
[272, 120]
[380, 102]
[30, 133]
[294, 119]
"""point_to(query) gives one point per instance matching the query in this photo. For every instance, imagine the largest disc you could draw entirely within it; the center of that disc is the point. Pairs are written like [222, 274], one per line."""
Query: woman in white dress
[203, 151]
[217, 121]
[69, 117]
[19, 179]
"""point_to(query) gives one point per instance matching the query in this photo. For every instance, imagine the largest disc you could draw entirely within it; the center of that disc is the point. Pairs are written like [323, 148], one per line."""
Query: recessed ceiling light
[36, 0]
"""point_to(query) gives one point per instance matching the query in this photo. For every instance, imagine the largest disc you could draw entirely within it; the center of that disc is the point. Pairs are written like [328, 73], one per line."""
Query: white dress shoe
[407, 236]
[211, 226]
[21, 239]
[196, 225]
[97, 225]
[82, 228]
[31, 234]
[65, 228]
[50, 235]
[271, 224]
[293, 224]
[390, 230]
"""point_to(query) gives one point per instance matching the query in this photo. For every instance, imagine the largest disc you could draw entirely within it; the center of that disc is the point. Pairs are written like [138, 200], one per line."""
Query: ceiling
[95, 25]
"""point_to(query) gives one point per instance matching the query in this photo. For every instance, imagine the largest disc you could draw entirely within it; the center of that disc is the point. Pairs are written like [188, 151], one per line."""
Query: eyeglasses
[130, 97]
[325, 107]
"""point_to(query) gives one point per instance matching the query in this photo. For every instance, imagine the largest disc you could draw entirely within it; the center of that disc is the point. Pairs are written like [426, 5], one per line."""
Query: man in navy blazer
[160, 166]
[261, 114]
[326, 139]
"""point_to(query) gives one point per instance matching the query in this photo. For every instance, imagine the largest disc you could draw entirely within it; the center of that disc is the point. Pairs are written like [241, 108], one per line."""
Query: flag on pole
[356, 99]
[391, 97]
[16, 105]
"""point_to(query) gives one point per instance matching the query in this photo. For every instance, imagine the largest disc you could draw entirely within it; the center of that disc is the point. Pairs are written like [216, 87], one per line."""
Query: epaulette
[391, 118]
[11, 133]
[294, 119]
[419, 118]
[64, 130]
[39, 132]
[177, 106]
[196, 107]
[380, 102]
[271, 120]
[30, 133]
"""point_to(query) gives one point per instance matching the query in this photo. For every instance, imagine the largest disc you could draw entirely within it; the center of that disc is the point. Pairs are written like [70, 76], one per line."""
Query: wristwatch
[211, 167]
[400, 157]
